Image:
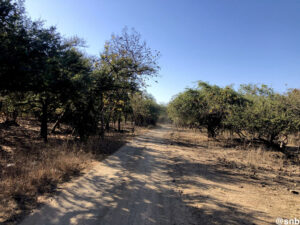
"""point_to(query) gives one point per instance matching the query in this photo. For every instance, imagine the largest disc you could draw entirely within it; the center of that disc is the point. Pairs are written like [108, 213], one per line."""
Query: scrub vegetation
[60, 108]
[253, 114]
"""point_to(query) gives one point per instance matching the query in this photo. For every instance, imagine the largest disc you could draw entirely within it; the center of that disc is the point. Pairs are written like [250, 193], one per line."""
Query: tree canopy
[48, 76]
[252, 111]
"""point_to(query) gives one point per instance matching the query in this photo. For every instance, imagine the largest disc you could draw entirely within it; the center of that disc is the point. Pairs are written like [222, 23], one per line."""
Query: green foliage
[185, 107]
[292, 102]
[253, 111]
[145, 110]
[207, 106]
[11, 105]
[269, 115]
[14, 47]
[163, 114]
[48, 76]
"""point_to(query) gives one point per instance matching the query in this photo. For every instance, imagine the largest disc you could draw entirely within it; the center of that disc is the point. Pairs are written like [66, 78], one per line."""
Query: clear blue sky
[219, 41]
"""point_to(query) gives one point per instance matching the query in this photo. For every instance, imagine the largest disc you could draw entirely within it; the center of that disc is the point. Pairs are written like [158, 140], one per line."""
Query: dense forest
[50, 77]
[253, 112]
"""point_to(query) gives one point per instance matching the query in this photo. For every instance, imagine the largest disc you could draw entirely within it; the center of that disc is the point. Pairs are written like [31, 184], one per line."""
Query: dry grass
[259, 158]
[29, 169]
[258, 162]
[233, 182]
[23, 181]
[254, 159]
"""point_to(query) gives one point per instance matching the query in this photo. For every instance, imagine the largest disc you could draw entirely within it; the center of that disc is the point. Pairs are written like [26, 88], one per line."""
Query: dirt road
[154, 181]
[133, 186]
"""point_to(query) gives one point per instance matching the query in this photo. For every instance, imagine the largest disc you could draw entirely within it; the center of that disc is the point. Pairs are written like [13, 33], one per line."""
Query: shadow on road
[137, 185]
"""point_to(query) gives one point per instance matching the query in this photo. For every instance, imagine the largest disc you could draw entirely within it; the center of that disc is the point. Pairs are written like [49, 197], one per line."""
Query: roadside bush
[207, 106]
[253, 112]
[145, 110]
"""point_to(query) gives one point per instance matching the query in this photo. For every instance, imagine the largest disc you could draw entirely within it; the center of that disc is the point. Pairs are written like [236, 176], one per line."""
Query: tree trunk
[119, 124]
[15, 116]
[56, 125]
[272, 138]
[102, 117]
[211, 132]
[44, 121]
[133, 121]
[102, 125]
[107, 125]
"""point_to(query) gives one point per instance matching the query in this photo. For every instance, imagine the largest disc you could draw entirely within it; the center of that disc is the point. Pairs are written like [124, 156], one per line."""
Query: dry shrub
[29, 168]
[260, 158]
[242, 156]
[32, 175]
[188, 137]
[253, 159]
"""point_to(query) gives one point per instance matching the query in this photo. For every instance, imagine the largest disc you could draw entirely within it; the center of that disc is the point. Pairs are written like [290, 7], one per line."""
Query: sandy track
[133, 186]
[154, 180]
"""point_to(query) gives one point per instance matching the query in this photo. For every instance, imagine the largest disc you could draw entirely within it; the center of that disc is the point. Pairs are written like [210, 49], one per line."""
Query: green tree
[208, 107]
[124, 67]
[15, 47]
[270, 115]
[145, 109]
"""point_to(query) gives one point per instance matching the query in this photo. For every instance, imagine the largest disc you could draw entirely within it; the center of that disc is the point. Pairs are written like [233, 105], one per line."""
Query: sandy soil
[152, 180]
